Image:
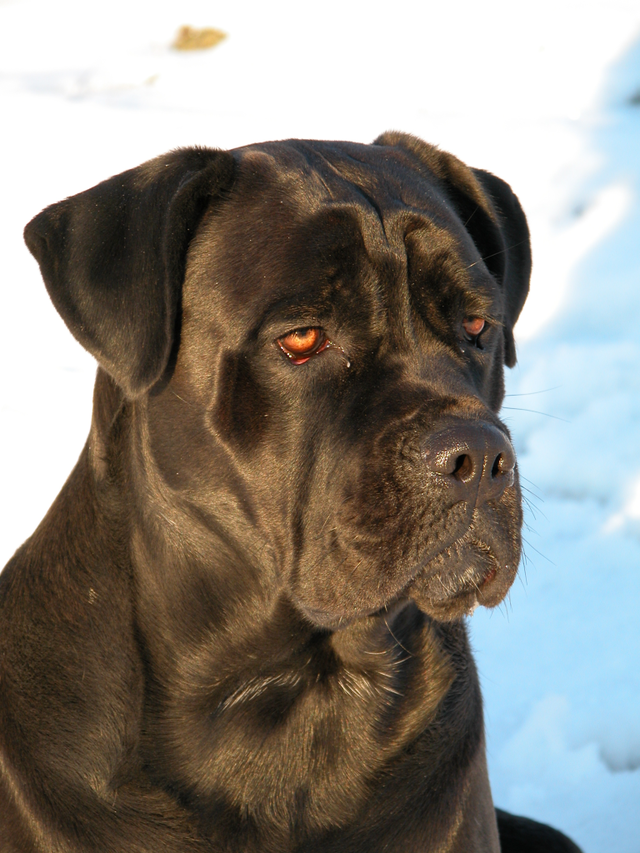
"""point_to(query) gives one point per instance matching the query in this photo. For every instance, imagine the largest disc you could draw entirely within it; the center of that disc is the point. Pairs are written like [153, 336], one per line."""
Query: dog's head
[314, 336]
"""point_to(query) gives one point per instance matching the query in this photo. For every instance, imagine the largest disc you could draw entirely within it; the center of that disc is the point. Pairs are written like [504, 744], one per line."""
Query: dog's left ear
[492, 215]
[515, 252]
[113, 258]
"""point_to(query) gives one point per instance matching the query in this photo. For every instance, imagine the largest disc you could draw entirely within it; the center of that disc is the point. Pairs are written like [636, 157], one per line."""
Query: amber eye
[301, 344]
[473, 327]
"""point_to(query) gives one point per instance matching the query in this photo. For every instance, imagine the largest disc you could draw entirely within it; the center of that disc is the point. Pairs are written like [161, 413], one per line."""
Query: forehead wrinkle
[282, 172]
[438, 270]
[382, 199]
[385, 249]
[346, 188]
[342, 178]
[363, 194]
[311, 183]
[321, 178]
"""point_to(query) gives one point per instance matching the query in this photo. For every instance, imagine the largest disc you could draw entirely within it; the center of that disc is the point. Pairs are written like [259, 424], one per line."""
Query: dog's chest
[295, 749]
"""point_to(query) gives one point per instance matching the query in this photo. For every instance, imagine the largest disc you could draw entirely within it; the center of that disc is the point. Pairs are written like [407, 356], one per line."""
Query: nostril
[503, 466]
[463, 469]
[476, 460]
[498, 466]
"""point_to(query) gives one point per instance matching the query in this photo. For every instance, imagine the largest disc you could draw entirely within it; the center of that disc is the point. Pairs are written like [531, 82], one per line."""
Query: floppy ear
[113, 258]
[492, 215]
[516, 251]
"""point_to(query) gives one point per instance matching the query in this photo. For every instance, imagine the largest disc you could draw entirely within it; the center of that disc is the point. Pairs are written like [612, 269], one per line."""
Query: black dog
[240, 626]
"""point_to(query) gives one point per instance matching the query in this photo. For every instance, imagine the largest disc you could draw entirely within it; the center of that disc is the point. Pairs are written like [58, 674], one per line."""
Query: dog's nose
[476, 460]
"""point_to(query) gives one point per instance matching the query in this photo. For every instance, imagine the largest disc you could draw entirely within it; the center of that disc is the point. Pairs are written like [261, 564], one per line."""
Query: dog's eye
[301, 344]
[473, 328]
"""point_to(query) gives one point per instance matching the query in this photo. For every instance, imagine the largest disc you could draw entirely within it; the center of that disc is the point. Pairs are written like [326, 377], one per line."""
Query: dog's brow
[376, 207]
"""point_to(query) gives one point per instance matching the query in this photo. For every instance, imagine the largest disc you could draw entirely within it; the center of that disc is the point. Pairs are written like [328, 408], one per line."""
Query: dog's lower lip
[490, 576]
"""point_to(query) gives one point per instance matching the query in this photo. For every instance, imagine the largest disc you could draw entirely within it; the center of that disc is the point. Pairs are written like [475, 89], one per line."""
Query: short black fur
[241, 626]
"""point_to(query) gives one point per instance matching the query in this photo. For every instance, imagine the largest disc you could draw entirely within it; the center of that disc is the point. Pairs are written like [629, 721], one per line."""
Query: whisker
[182, 400]
[544, 556]
[532, 484]
[536, 412]
[396, 639]
[500, 252]
[506, 606]
[531, 504]
[523, 579]
[476, 209]
[535, 512]
[531, 393]
[533, 495]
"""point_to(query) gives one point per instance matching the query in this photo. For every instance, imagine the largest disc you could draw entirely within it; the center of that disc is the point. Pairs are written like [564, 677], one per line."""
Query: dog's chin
[453, 578]
[465, 575]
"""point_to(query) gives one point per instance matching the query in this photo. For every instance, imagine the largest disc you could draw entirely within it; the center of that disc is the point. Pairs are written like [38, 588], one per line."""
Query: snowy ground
[546, 96]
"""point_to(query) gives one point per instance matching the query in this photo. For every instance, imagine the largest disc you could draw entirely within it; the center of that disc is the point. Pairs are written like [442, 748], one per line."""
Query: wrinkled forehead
[281, 187]
[377, 182]
[301, 216]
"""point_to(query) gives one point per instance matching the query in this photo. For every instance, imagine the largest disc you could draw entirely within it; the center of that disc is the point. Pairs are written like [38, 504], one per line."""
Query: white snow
[541, 95]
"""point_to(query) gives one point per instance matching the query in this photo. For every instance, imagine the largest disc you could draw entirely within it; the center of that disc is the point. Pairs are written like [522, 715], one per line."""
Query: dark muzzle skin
[240, 627]
[476, 461]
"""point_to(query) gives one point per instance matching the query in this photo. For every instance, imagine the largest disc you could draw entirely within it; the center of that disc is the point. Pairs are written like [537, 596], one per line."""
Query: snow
[543, 96]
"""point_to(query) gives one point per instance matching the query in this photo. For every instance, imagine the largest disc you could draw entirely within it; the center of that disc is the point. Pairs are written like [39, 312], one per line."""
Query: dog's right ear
[113, 258]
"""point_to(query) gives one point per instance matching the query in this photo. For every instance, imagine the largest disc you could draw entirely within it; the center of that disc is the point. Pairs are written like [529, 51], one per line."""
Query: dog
[241, 625]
